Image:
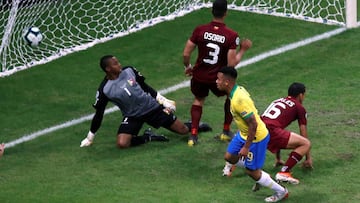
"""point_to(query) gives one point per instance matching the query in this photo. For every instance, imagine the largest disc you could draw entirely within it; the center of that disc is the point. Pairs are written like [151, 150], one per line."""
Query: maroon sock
[196, 112]
[293, 159]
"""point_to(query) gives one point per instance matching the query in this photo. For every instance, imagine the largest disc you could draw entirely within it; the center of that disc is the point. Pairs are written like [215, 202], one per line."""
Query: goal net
[74, 25]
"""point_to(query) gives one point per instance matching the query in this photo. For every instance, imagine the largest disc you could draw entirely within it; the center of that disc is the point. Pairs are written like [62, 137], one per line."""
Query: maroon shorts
[201, 89]
[279, 139]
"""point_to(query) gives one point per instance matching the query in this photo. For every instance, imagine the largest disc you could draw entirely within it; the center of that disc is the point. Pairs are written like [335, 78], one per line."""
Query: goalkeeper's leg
[179, 127]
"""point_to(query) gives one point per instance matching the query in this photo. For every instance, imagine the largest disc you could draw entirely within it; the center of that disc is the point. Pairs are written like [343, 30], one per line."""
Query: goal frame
[349, 18]
[351, 14]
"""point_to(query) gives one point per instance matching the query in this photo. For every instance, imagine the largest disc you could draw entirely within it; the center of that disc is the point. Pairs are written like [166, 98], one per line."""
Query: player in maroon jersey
[217, 47]
[277, 117]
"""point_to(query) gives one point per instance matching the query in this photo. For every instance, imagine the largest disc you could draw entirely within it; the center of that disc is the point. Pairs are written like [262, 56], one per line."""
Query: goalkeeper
[138, 102]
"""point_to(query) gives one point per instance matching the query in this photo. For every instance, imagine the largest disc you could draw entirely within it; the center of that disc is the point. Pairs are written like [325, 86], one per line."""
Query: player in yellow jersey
[248, 146]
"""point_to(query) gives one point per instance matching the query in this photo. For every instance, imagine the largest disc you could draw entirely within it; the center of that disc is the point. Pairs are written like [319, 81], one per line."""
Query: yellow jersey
[242, 107]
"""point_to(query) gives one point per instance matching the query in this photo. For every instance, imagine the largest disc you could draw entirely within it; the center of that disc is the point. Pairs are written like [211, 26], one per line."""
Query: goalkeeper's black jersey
[129, 92]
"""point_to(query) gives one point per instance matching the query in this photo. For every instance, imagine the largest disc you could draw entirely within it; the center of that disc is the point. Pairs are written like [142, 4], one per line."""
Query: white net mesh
[75, 25]
[321, 11]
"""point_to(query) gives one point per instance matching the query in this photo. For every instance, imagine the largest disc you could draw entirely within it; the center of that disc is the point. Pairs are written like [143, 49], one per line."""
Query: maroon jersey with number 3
[213, 40]
[283, 111]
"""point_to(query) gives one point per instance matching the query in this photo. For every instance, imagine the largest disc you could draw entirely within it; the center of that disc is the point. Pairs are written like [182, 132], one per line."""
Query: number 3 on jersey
[213, 54]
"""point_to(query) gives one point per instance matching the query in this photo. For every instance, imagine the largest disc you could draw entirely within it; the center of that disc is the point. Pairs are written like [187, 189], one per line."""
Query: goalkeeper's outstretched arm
[97, 120]
[95, 125]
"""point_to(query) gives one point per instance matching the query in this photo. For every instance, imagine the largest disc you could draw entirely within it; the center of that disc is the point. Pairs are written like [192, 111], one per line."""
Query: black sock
[138, 140]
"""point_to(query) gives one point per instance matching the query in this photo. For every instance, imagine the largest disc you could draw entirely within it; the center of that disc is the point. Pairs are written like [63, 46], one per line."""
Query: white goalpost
[351, 14]
[74, 25]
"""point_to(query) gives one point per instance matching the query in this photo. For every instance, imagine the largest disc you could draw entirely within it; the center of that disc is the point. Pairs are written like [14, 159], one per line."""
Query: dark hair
[295, 89]
[104, 61]
[229, 71]
[219, 8]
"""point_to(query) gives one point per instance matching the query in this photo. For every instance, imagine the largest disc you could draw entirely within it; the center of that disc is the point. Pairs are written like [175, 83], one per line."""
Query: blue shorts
[257, 152]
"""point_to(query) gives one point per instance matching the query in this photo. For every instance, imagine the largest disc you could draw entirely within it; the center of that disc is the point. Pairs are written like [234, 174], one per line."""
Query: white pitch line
[178, 86]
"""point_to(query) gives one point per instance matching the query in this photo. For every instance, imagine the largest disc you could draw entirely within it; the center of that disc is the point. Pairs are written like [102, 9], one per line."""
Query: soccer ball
[33, 36]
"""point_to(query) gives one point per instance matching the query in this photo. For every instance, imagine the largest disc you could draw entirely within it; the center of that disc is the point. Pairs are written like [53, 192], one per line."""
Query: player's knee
[123, 140]
[179, 127]
[183, 130]
[305, 143]
[230, 158]
[123, 144]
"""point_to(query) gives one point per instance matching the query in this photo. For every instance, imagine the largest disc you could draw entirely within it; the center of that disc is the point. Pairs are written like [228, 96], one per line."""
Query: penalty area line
[178, 86]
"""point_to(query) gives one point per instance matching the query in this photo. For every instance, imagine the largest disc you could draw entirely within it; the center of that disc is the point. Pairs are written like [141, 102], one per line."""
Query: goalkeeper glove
[167, 103]
[88, 140]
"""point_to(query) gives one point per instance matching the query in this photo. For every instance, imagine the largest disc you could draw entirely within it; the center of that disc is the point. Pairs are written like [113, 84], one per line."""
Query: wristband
[90, 135]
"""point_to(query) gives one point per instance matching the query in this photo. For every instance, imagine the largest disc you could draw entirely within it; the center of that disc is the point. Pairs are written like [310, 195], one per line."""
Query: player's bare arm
[189, 48]
[231, 58]
[252, 124]
[245, 44]
[235, 57]
[308, 160]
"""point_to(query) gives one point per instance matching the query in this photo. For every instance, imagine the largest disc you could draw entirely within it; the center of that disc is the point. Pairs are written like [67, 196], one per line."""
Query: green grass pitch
[53, 168]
